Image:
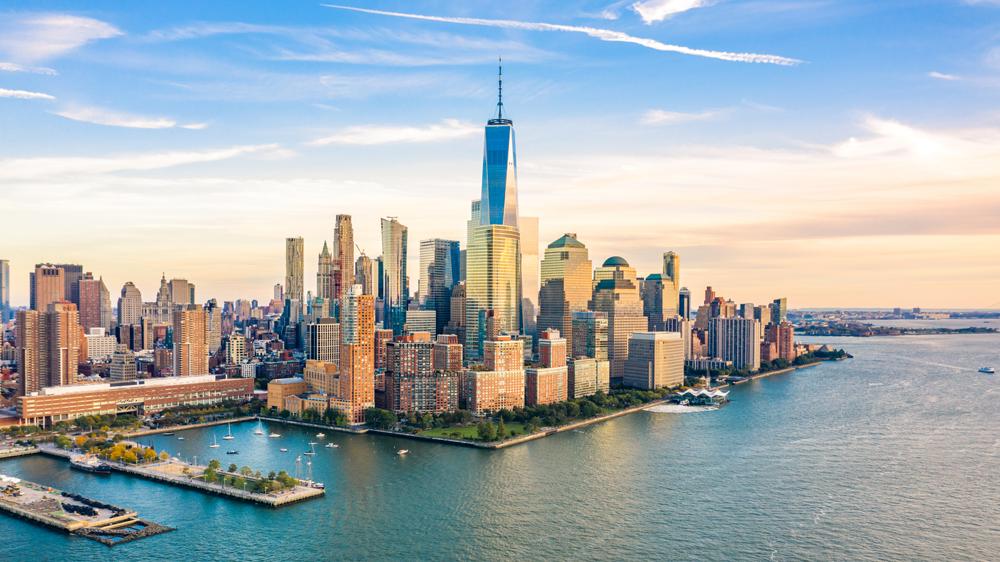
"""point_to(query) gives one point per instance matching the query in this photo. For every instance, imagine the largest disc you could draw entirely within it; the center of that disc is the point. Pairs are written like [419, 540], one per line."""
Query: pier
[20, 451]
[179, 473]
[72, 513]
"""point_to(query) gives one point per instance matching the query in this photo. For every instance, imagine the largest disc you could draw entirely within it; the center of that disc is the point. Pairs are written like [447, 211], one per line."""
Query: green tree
[130, 457]
[214, 464]
[233, 468]
[501, 430]
[486, 431]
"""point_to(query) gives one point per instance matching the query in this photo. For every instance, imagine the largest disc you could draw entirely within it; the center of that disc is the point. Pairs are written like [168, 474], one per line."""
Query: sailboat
[259, 430]
[312, 449]
[215, 443]
[229, 433]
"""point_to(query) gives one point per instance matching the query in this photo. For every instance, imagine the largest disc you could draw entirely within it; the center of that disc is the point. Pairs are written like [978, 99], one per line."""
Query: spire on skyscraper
[499, 88]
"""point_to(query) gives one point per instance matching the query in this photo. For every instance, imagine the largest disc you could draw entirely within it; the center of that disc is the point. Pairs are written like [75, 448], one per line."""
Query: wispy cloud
[110, 118]
[366, 135]
[24, 95]
[51, 167]
[602, 34]
[942, 76]
[652, 11]
[12, 67]
[35, 37]
[664, 117]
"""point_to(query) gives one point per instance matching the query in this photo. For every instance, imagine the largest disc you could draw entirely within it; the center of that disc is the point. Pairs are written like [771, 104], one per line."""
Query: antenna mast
[499, 88]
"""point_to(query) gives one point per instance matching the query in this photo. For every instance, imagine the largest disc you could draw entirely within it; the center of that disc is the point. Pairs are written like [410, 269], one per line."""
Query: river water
[892, 455]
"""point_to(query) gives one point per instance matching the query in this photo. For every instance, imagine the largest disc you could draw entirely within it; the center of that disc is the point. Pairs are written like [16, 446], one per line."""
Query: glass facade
[493, 282]
[499, 197]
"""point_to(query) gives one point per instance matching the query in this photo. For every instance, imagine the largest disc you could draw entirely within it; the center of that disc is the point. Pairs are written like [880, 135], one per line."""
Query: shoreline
[176, 428]
[784, 371]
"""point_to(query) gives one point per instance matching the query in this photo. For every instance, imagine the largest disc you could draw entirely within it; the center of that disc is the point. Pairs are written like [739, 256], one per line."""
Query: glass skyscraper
[499, 196]
[395, 284]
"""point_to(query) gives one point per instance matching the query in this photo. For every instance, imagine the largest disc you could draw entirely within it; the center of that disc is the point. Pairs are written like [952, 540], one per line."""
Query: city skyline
[855, 199]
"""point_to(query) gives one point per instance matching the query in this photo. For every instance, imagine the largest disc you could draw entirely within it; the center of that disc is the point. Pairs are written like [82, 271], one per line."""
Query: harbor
[73, 513]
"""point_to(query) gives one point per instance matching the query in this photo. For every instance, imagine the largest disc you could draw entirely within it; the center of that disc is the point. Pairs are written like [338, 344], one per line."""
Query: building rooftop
[615, 261]
[567, 240]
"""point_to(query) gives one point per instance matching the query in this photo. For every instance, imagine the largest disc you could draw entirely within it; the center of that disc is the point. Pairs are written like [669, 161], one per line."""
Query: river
[892, 455]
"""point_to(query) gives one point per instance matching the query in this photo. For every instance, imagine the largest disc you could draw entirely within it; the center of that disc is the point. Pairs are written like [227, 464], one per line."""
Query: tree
[380, 419]
[486, 431]
[164, 456]
[149, 455]
[64, 442]
[80, 440]
[130, 457]
[233, 468]
[214, 464]
[501, 430]
[246, 471]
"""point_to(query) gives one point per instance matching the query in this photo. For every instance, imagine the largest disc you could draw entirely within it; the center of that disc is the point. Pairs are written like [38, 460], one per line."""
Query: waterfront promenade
[179, 473]
[176, 428]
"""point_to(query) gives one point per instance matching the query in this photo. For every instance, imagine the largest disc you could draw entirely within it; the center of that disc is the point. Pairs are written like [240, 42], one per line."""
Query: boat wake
[680, 409]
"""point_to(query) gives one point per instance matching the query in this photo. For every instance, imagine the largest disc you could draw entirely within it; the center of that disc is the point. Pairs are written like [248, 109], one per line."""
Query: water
[892, 455]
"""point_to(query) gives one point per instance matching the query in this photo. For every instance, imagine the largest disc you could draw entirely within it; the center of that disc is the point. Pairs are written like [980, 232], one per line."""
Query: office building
[737, 340]
[439, 272]
[365, 274]
[295, 270]
[6, 313]
[587, 376]
[493, 283]
[671, 275]
[95, 303]
[181, 292]
[420, 321]
[530, 274]
[190, 345]
[213, 326]
[48, 285]
[566, 288]
[322, 377]
[123, 364]
[279, 389]
[684, 303]
[616, 293]
[779, 310]
[323, 340]
[591, 329]
[100, 345]
[395, 290]
[129, 305]
[324, 274]
[655, 360]
[343, 257]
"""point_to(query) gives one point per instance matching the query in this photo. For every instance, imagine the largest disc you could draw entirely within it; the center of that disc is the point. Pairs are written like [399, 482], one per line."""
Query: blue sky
[193, 137]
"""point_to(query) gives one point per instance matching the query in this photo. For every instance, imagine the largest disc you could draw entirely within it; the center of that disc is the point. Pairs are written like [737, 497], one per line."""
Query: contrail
[602, 34]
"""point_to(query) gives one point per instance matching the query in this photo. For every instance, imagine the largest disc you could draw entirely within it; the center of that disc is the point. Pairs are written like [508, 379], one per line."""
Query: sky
[837, 152]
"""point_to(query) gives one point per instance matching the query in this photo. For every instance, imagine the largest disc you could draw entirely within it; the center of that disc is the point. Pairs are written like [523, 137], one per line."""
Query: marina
[73, 513]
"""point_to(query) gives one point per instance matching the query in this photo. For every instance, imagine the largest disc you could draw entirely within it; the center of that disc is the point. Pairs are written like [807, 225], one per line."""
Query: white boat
[274, 435]
[987, 371]
[229, 433]
[402, 452]
[320, 435]
[332, 445]
[180, 437]
[312, 449]
[215, 443]
[259, 430]
[283, 450]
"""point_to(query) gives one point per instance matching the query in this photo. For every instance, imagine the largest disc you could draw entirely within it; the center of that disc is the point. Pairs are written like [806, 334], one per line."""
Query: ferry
[987, 371]
[89, 464]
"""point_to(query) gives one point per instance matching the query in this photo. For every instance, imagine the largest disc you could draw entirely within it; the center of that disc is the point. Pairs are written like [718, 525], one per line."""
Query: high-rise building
[365, 274]
[709, 295]
[566, 288]
[684, 303]
[547, 382]
[591, 340]
[343, 256]
[420, 321]
[213, 326]
[395, 291]
[672, 281]
[587, 376]
[236, 349]
[616, 293]
[72, 273]
[783, 337]
[5, 310]
[499, 193]
[50, 346]
[411, 383]
[95, 303]
[323, 341]
[500, 385]
[655, 360]
[181, 292]
[779, 310]
[295, 269]
[100, 346]
[473, 222]
[48, 285]
[357, 357]
[447, 353]
[492, 283]
[762, 314]
[737, 340]
[656, 295]
[324, 274]
[439, 272]
[123, 364]
[190, 346]
[530, 276]
[129, 305]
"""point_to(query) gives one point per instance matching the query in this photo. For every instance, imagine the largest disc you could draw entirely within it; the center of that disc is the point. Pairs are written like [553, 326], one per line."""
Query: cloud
[101, 116]
[42, 168]
[664, 117]
[12, 67]
[24, 95]
[602, 34]
[652, 11]
[942, 76]
[367, 135]
[35, 37]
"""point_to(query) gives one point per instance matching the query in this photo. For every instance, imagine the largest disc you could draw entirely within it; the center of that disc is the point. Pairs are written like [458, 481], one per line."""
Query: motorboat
[283, 450]
[232, 452]
[274, 435]
[402, 452]
[987, 370]
[180, 437]
[332, 445]
[90, 464]
[229, 433]
[320, 435]
[215, 443]
[168, 434]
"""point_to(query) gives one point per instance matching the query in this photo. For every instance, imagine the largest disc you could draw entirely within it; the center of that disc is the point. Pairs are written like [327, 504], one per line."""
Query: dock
[179, 473]
[20, 451]
[72, 513]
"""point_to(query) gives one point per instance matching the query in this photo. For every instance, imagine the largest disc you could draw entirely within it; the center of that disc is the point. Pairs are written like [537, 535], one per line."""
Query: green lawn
[469, 432]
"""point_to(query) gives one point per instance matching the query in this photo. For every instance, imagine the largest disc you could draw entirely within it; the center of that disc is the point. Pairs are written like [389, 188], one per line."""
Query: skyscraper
[123, 364]
[343, 257]
[295, 269]
[655, 360]
[72, 273]
[324, 274]
[323, 341]
[737, 340]
[95, 303]
[779, 310]
[439, 264]
[213, 326]
[566, 272]
[190, 346]
[530, 276]
[48, 285]
[499, 193]
[365, 274]
[671, 283]
[492, 283]
[357, 352]
[181, 292]
[129, 305]
[49, 346]
[395, 282]
[617, 294]
[5, 313]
